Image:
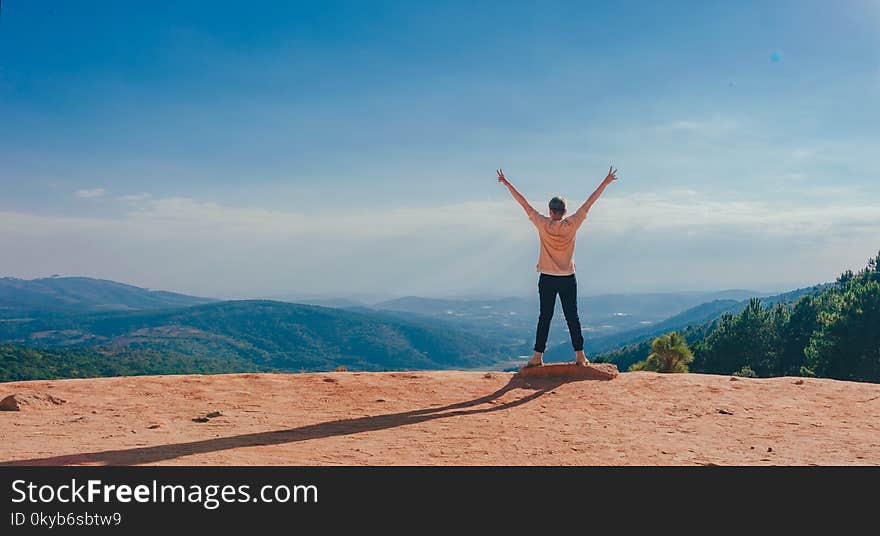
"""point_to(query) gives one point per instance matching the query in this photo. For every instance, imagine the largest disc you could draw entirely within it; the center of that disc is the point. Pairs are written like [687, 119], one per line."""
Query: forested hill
[78, 294]
[243, 336]
[693, 317]
[833, 332]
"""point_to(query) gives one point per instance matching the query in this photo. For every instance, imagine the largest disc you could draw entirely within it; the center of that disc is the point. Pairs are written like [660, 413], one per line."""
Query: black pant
[566, 287]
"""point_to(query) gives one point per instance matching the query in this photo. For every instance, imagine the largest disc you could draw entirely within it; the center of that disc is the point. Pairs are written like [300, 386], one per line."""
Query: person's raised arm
[530, 210]
[582, 211]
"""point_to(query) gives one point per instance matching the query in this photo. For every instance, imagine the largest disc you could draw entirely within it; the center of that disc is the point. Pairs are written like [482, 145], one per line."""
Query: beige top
[557, 241]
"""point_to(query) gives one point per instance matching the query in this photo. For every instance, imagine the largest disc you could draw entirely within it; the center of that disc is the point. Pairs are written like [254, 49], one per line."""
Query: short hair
[558, 204]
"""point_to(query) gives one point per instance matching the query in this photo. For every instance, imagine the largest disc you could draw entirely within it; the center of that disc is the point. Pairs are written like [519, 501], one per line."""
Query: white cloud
[674, 239]
[134, 198]
[690, 210]
[713, 126]
[92, 193]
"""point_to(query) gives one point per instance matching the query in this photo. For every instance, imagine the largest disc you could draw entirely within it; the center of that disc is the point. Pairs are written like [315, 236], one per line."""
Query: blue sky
[265, 148]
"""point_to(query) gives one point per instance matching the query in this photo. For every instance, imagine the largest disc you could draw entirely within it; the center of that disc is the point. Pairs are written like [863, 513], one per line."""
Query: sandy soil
[444, 418]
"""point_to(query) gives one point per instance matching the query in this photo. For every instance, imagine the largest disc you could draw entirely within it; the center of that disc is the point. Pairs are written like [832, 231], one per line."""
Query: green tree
[751, 340]
[802, 322]
[669, 353]
[832, 333]
[846, 344]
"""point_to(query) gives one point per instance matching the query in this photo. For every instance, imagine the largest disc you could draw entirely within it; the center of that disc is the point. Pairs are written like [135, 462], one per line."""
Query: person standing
[556, 265]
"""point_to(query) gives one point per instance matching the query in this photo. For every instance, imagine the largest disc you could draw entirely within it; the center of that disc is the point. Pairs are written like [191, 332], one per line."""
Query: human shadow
[159, 453]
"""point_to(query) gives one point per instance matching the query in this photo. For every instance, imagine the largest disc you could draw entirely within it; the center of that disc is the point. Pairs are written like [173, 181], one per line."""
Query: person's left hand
[501, 177]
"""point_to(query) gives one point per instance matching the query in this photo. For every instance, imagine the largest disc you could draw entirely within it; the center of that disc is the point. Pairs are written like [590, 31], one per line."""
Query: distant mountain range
[705, 312]
[656, 305]
[627, 348]
[267, 335]
[515, 317]
[694, 317]
[105, 327]
[79, 294]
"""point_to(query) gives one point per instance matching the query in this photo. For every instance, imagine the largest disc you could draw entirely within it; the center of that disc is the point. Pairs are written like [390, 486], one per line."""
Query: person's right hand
[611, 175]
[501, 178]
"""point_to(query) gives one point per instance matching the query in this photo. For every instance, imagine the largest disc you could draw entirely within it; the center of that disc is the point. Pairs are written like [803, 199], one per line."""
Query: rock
[799, 382]
[593, 371]
[208, 417]
[725, 412]
[17, 401]
[734, 379]
[331, 380]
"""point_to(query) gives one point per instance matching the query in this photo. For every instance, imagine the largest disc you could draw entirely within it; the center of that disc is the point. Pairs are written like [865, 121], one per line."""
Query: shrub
[746, 372]
[669, 353]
